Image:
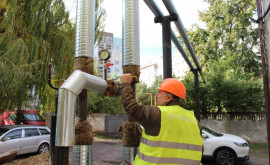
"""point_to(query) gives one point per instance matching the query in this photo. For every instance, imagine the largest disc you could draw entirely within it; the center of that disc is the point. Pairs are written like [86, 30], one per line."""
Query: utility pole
[265, 64]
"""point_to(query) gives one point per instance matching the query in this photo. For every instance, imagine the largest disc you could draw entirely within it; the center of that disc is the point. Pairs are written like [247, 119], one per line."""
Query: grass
[259, 150]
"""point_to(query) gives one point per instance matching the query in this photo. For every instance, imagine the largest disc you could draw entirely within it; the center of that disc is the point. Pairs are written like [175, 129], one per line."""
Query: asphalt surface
[110, 153]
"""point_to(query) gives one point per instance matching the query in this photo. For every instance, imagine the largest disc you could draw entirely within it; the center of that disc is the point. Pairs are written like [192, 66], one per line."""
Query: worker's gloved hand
[126, 78]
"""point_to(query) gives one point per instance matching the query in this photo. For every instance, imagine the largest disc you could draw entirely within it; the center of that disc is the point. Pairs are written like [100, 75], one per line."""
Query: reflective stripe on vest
[171, 145]
[179, 140]
[167, 160]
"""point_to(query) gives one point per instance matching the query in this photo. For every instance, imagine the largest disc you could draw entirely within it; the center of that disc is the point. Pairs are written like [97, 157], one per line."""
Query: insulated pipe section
[131, 42]
[157, 12]
[85, 28]
[68, 92]
[171, 9]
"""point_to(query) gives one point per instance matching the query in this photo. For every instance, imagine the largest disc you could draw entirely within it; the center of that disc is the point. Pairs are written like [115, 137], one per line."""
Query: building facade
[114, 46]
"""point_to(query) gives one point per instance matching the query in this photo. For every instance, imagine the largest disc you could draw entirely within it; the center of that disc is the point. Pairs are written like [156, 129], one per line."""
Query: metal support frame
[83, 105]
[172, 11]
[196, 95]
[166, 39]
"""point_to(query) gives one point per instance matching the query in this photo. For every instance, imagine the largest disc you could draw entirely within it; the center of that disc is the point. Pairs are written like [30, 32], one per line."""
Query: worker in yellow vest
[171, 134]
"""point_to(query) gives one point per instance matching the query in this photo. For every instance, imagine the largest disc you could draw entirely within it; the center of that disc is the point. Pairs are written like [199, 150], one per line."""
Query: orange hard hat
[174, 87]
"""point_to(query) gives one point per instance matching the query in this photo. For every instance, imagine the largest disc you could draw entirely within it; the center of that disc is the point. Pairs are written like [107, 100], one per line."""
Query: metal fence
[235, 116]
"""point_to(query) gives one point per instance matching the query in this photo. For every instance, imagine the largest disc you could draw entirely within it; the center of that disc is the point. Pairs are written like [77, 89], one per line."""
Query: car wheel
[43, 148]
[225, 157]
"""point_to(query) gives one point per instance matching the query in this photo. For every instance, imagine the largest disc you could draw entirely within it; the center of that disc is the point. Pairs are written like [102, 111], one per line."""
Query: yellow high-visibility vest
[179, 140]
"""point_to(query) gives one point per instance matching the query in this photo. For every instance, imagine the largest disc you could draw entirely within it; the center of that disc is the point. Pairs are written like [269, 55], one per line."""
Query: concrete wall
[253, 131]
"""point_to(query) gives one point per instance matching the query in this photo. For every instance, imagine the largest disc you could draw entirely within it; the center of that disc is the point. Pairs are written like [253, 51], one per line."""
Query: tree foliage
[33, 34]
[145, 93]
[98, 103]
[227, 51]
[229, 37]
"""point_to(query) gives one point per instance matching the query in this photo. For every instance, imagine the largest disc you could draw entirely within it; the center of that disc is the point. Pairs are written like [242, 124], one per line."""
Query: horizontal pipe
[68, 92]
[171, 9]
[80, 80]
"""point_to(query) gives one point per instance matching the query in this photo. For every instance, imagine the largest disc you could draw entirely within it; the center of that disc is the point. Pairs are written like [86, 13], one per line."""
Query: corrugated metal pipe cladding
[85, 28]
[131, 41]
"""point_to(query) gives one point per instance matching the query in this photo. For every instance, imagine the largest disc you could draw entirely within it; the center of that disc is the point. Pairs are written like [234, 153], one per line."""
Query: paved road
[110, 153]
[251, 161]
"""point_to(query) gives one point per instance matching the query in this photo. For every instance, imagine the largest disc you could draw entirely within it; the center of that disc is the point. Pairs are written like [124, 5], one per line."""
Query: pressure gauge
[104, 54]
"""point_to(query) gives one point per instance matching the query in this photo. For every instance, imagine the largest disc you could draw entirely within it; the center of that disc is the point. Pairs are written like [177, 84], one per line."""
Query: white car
[226, 149]
[24, 138]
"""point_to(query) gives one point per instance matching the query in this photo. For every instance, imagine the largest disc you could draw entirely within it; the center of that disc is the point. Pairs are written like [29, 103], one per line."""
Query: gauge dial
[104, 54]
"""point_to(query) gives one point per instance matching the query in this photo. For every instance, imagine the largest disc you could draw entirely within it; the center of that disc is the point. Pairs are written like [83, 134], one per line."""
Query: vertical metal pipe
[167, 51]
[85, 28]
[82, 155]
[197, 96]
[131, 41]
[83, 105]
[171, 9]
[131, 46]
[65, 127]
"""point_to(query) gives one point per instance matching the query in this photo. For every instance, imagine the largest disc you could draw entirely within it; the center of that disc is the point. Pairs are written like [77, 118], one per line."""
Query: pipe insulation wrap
[85, 28]
[79, 80]
[68, 92]
[131, 42]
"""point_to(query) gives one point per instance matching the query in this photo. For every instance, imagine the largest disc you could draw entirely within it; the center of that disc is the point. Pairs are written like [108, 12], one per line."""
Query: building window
[116, 62]
[109, 47]
[116, 48]
[109, 39]
[101, 46]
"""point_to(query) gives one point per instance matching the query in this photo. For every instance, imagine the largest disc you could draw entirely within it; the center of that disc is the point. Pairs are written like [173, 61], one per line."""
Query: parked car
[225, 149]
[29, 117]
[24, 138]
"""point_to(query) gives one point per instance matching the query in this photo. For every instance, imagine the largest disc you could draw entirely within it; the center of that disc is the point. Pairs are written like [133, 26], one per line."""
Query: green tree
[98, 103]
[229, 37]
[33, 34]
[226, 49]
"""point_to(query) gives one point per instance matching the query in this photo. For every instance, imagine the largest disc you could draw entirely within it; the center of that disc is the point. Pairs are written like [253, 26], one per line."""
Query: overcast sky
[150, 33]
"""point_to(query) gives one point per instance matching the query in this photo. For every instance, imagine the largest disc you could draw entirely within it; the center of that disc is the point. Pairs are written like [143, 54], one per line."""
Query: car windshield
[32, 117]
[212, 131]
[3, 130]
